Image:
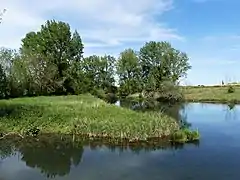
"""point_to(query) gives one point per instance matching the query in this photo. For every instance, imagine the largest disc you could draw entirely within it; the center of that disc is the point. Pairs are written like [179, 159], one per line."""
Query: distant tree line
[51, 62]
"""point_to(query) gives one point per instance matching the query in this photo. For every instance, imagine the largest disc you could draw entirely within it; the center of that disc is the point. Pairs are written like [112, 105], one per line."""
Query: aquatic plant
[185, 135]
[179, 136]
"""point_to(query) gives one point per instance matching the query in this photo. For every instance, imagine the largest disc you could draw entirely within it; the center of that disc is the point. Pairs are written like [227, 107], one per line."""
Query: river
[217, 156]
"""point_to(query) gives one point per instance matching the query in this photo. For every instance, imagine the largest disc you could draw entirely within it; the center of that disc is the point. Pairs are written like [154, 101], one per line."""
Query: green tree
[128, 70]
[54, 47]
[18, 79]
[161, 62]
[3, 82]
[99, 71]
[7, 58]
[107, 72]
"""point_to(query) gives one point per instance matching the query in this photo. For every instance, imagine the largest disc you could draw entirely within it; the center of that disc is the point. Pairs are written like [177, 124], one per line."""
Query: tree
[128, 70]
[161, 62]
[99, 71]
[7, 58]
[54, 47]
[3, 82]
[107, 72]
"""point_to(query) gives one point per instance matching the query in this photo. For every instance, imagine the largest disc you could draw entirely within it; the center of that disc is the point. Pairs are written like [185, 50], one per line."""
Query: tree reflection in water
[53, 156]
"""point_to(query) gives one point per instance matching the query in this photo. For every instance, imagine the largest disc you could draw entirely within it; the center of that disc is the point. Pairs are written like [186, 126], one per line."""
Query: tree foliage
[100, 71]
[50, 53]
[50, 62]
[160, 62]
[3, 82]
[128, 70]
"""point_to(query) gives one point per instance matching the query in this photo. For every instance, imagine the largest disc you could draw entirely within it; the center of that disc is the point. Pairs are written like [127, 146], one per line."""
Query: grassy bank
[83, 114]
[211, 94]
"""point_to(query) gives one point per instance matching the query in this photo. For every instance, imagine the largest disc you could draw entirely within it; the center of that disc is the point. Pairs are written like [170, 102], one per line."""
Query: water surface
[216, 157]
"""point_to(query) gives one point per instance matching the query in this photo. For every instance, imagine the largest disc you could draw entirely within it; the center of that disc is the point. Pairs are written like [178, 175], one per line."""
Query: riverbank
[211, 94]
[82, 115]
[205, 94]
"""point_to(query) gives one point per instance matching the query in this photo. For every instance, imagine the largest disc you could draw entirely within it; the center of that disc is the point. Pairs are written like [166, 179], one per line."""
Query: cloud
[101, 23]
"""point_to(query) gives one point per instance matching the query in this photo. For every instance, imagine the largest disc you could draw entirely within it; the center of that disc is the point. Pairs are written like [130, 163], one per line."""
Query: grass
[83, 115]
[185, 135]
[211, 94]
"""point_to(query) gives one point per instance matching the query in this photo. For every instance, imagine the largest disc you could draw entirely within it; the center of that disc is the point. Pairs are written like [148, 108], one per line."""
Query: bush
[108, 97]
[111, 98]
[185, 135]
[179, 136]
[167, 92]
[231, 89]
[100, 93]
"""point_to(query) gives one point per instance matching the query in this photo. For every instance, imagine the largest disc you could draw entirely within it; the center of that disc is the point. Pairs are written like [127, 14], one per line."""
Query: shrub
[179, 136]
[185, 135]
[231, 89]
[167, 92]
[100, 93]
[111, 98]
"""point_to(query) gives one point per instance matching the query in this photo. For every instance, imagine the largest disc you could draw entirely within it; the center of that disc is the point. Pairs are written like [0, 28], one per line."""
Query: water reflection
[231, 112]
[56, 156]
[53, 156]
[217, 157]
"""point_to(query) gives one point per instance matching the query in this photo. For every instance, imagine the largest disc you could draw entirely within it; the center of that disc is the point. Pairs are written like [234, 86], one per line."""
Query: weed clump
[231, 89]
[185, 135]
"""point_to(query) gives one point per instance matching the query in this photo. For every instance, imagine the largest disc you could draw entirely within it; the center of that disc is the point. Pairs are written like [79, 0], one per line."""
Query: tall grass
[212, 94]
[84, 115]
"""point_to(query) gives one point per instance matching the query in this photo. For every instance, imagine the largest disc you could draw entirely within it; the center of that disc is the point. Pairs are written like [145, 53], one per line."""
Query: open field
[211, 94]
[84, 115]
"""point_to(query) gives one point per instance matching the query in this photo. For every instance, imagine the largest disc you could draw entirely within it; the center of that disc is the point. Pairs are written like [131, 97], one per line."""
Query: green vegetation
[222, 94]
[231, 89]
[185, 135]
[154, 71]
[84, 115]
[51, 62]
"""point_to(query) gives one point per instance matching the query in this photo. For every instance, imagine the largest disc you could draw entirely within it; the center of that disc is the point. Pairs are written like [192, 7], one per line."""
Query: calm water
[216, 157]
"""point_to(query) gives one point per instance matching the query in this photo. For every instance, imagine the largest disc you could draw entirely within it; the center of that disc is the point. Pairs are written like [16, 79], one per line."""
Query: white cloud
[101, 23]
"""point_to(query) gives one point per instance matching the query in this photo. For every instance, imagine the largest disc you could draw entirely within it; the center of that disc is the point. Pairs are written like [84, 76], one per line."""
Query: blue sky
[207, 30]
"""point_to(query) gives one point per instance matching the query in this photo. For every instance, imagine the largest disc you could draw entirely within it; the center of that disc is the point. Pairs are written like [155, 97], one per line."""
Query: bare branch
[1, 14]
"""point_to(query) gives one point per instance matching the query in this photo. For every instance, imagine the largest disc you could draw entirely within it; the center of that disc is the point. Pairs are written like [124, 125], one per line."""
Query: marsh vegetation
[82, 115]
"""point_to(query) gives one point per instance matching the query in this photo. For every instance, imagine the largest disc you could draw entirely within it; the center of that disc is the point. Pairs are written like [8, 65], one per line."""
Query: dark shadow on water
[55, 155]
[231, 106]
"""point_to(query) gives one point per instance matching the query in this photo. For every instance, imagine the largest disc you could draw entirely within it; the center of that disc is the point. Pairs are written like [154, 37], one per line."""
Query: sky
[207, 30]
